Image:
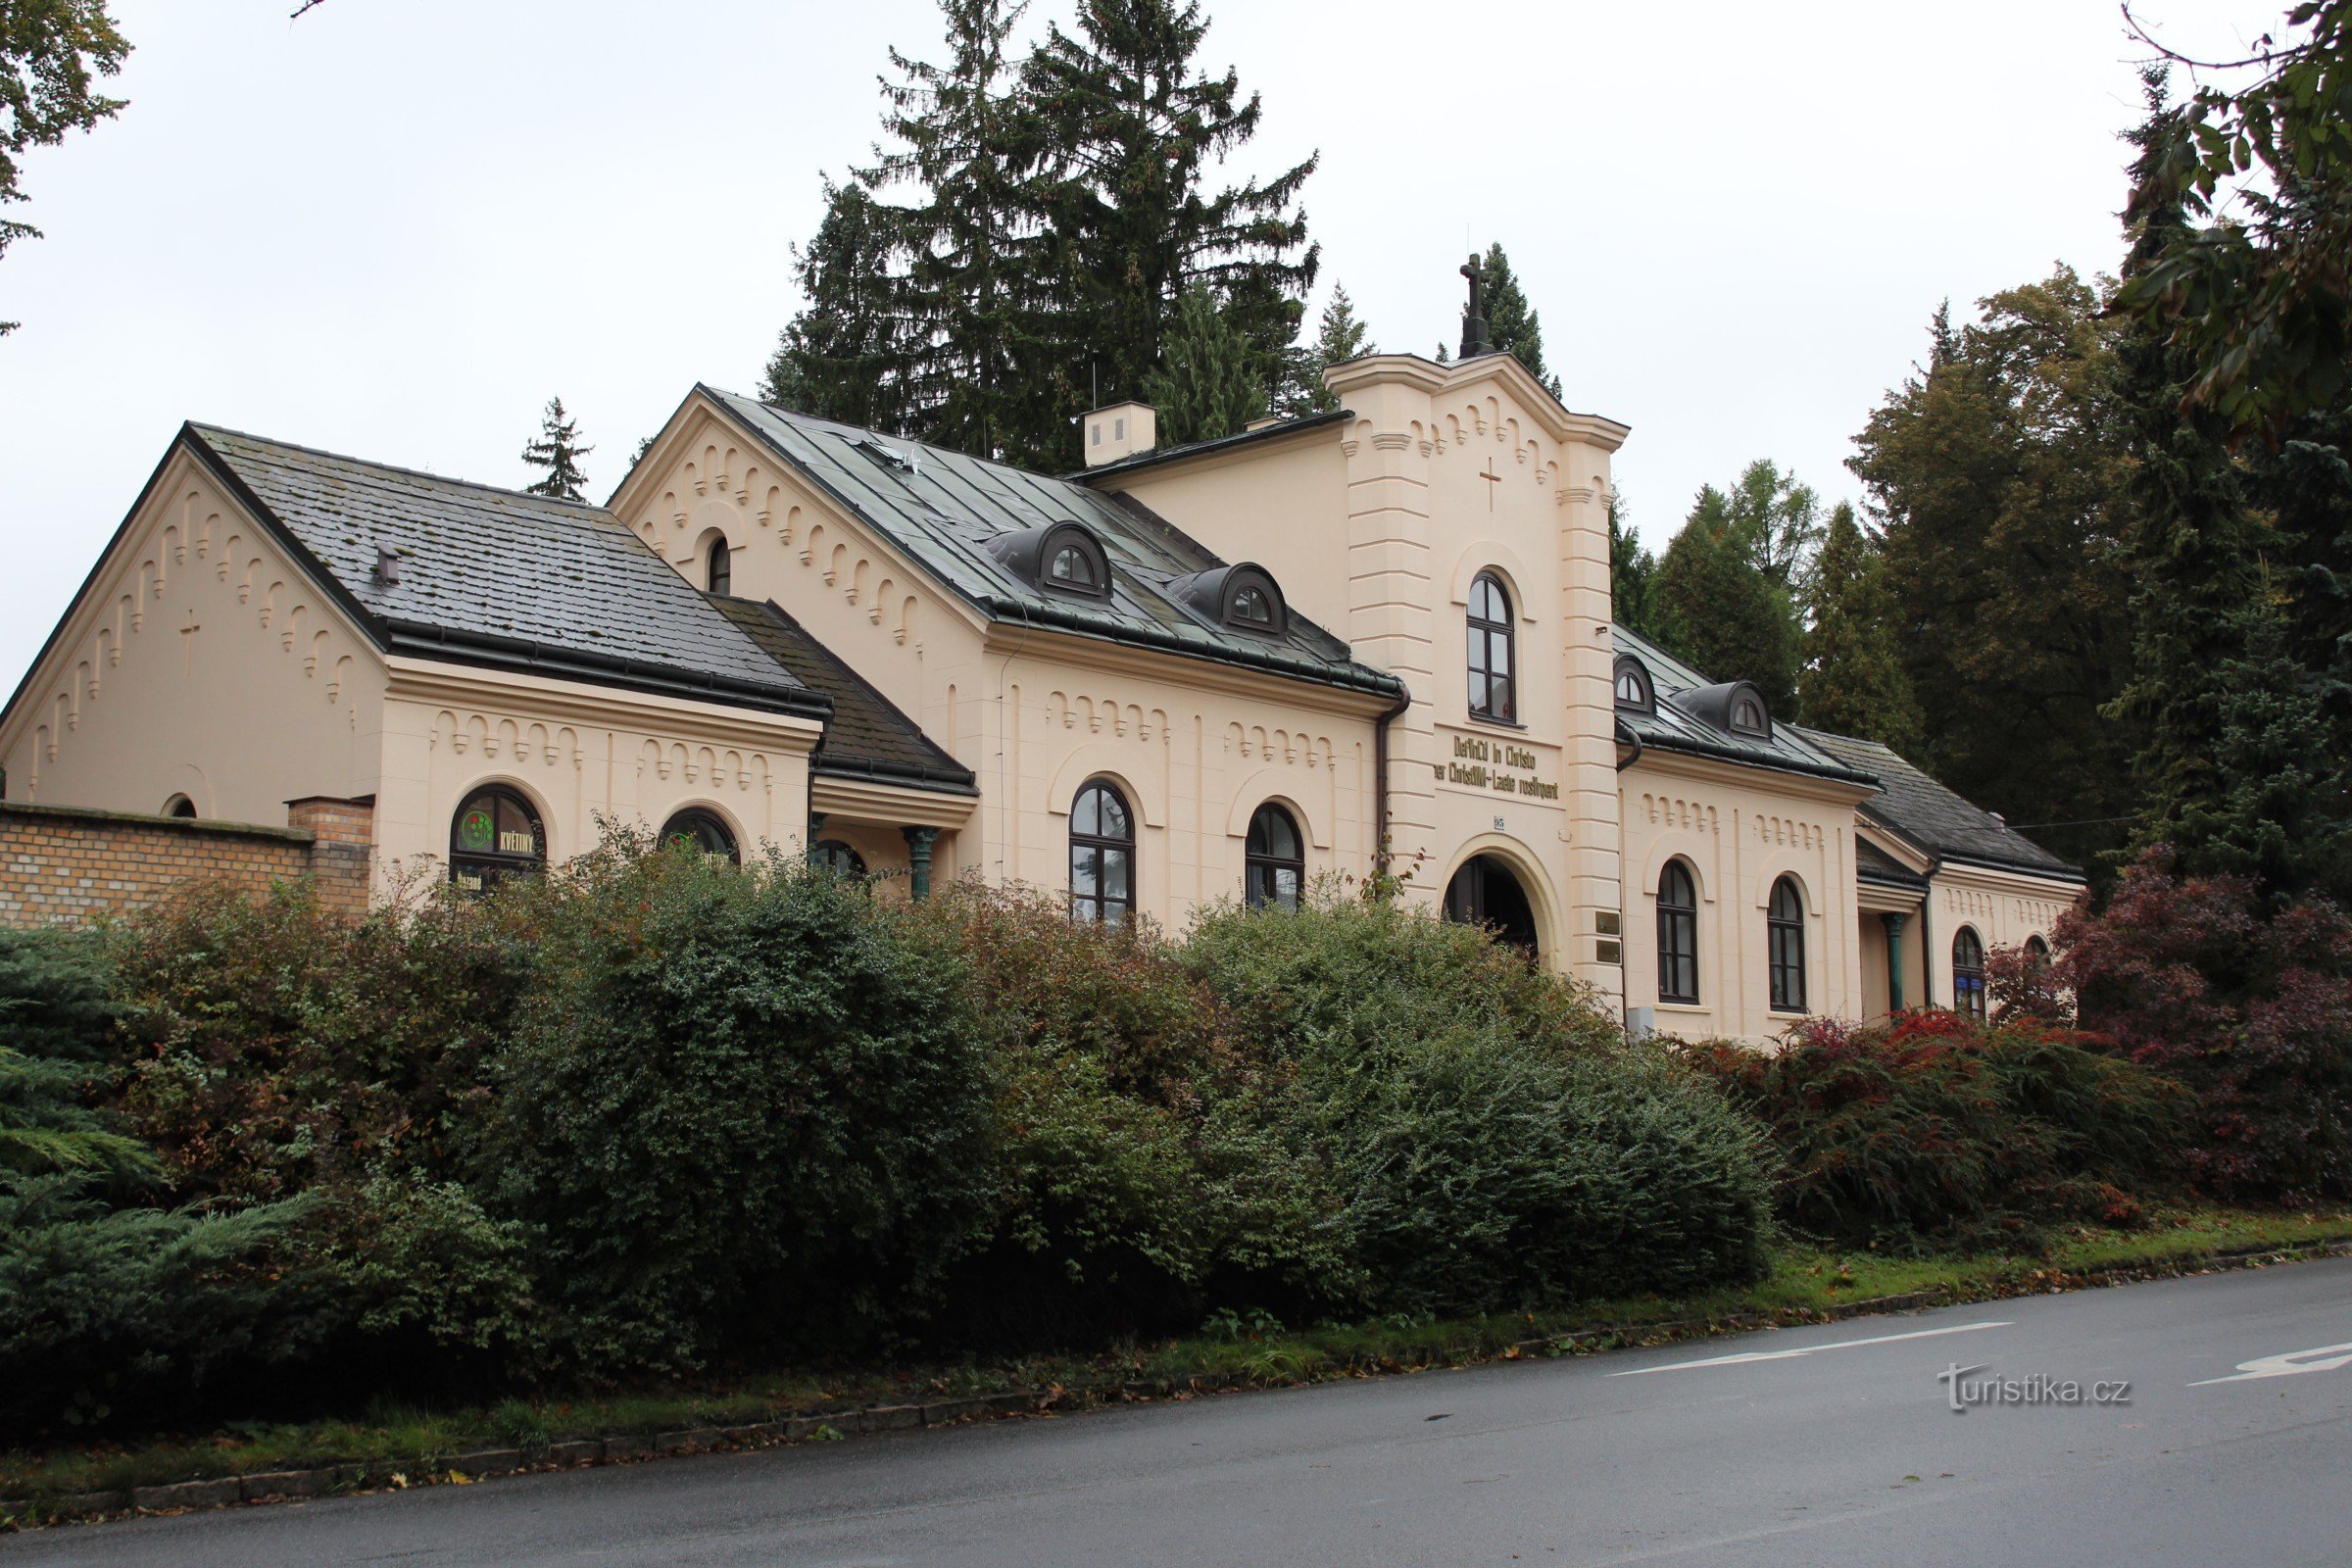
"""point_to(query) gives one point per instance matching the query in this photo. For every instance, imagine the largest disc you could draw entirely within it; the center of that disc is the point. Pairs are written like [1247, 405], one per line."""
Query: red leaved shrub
[2250, 1005]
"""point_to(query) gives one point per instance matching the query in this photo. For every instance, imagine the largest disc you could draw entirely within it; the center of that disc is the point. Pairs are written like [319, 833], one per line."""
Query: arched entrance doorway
[1487, 892]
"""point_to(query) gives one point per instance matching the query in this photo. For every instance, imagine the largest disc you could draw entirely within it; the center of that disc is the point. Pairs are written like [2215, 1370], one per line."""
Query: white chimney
[1120, 430]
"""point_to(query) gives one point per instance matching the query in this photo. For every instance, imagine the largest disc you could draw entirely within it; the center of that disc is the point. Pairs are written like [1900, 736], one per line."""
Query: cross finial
[1474, 319]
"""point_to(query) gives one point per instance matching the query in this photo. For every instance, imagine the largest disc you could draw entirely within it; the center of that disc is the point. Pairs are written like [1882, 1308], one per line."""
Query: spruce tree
[845, 355]
[1852, 681]
[1716, 609]
[558, 449]
[1208, 383]
[1633, 574]
[1339, 336]
[1129, 126]
[1512, 324]
[978, 361]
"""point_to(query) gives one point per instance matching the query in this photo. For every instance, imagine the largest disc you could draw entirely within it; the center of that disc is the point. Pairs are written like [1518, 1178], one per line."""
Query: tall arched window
[1102, 856]
[495, 835]
[702, 830]
[721, 567]
[1276, 860]
[1784, 943]
[2037, 953]
[1494, 682]
[1968, 974]
[1678, 934]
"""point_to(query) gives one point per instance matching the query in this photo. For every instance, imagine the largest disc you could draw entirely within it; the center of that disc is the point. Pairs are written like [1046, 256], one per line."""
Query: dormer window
[1634, 693]
[1237, 598]
[1060, 557]
[1072, 567]
[1748, 717]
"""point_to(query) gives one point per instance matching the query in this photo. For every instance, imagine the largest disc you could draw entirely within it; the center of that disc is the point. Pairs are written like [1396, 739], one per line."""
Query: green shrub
[56, 994]
[740, 1111]
[1487, 1137]
[1940, 1131]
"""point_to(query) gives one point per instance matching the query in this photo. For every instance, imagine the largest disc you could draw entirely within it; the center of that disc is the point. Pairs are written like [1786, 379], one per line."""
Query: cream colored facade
[208, 658]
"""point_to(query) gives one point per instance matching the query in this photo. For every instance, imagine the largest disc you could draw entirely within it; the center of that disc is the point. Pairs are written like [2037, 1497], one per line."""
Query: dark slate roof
[495, 577]
[1673, 728]
[1935, 819]
[942, 507]
[869, 736]
[1874, 865]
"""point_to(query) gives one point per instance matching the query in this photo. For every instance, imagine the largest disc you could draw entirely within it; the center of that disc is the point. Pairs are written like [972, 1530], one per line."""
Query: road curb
[580, 1451]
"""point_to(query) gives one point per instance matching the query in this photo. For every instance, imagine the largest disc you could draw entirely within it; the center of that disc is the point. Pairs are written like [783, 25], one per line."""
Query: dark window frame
[1646, 698]
[1968, 974]
[476, 868]
[1096, 850]
[718, 568]
[1485, 635]
[1785, 945]
[1263, 865]
[703, 826]
[1677, 935]
[839, 858]
[1758, 727]
[1075, 539]
[179, 808]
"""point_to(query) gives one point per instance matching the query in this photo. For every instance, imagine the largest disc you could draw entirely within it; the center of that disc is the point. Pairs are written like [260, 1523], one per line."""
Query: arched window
[1494, 690]
[702, 830]
[2037, 953]
[1073, 568]
[1634, 693]
[1678, 934]
[1102, 856]
[1784, 944]
[1748, 717]
[1275, 860]
[831, 854]
[722, 567]
[496, 834]
[1968, 974]
[1252, 606]
[180, 806]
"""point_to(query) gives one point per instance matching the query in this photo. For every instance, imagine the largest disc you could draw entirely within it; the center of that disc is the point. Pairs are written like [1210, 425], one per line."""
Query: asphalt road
[1834, 1444]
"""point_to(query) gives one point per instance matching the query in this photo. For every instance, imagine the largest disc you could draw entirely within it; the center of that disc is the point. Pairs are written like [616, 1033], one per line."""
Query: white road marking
[1810, 1350]
[2288, 1365]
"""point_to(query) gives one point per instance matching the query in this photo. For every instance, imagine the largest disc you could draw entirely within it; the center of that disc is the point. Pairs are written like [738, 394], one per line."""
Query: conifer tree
[1208, 383]
[845, 355]
[970, 291]
[1339, 336]
[1633, 574]
[1718, 612]
[1130, 127]
[1852, 681]
[1512, 324]
[559, 451]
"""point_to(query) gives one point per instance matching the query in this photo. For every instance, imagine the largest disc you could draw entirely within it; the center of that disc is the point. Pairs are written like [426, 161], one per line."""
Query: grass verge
[390, 1444]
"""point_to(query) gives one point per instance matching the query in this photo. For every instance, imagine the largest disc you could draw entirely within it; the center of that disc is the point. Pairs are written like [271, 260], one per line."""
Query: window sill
[1684, 1006]
[1496, 724]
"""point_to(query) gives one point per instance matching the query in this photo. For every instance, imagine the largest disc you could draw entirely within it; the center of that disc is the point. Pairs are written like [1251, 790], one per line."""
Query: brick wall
[66, 864]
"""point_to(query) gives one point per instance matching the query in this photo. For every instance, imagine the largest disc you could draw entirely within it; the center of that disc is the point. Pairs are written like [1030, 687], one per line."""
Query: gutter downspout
[1380, 781]
[1625, 732]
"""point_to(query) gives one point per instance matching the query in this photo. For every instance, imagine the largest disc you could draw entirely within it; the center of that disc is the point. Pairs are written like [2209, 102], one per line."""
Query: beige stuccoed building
[1377, 636]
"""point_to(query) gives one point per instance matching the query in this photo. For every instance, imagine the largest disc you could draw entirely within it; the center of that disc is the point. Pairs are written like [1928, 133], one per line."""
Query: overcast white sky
[395, 227]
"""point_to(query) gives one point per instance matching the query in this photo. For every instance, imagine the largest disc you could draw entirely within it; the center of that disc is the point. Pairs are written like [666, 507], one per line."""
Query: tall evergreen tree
[1717, 611]
[1633, 574]
[558, 449]
[968, 285]
[2230, 709]
[845, 355]
[1776, 521]
[1339, 336]
[1998, 477]
[1208, 383]
[1512, 324]
[1853, 682]
[1129, 127]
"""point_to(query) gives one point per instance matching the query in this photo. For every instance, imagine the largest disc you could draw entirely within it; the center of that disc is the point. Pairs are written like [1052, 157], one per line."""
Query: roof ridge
[203, 430]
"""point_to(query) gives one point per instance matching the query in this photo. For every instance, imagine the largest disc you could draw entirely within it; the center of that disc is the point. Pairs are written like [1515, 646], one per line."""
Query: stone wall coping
[168, 824]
